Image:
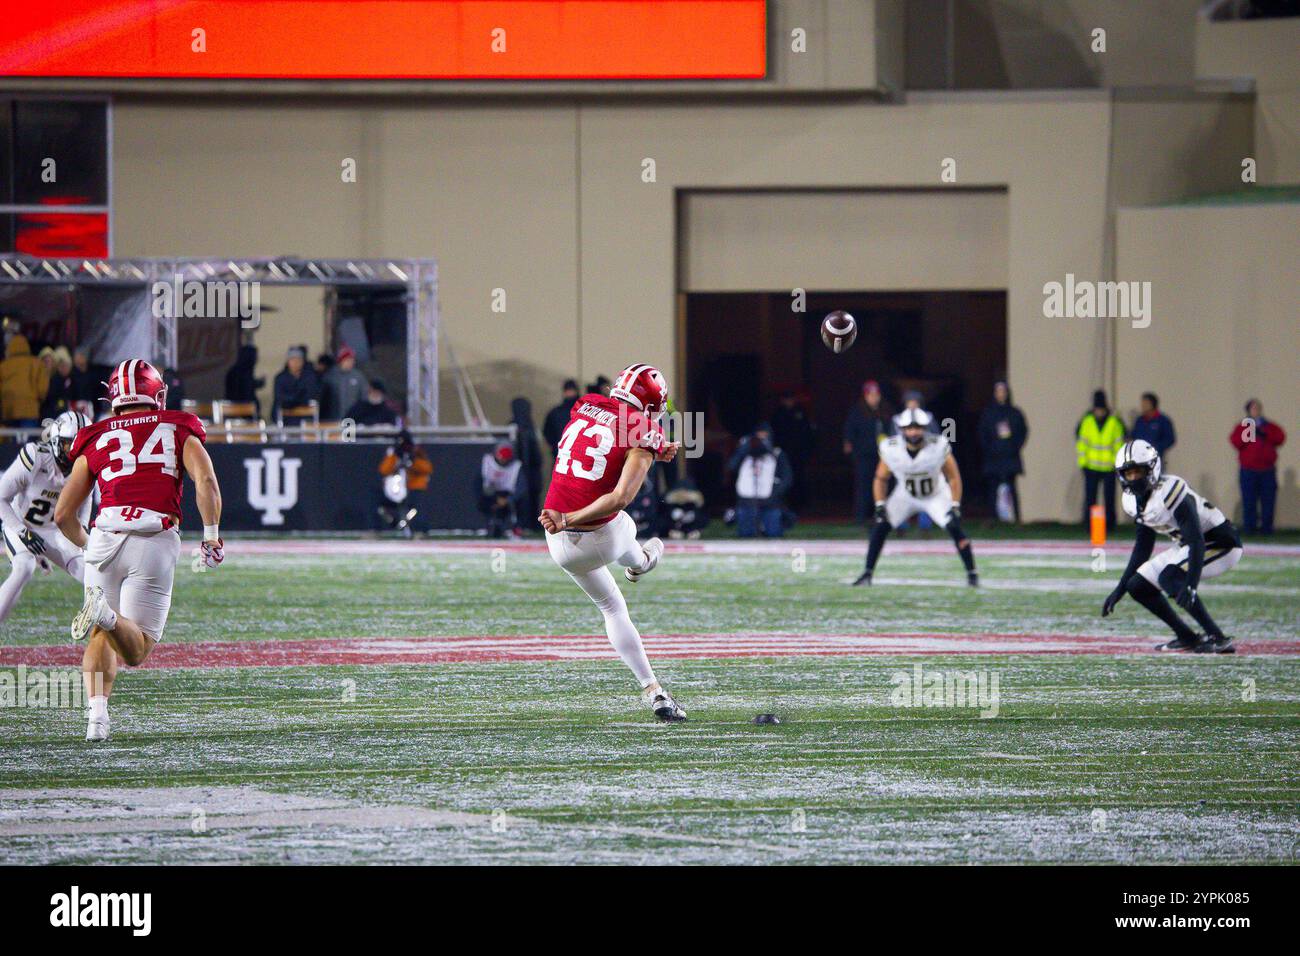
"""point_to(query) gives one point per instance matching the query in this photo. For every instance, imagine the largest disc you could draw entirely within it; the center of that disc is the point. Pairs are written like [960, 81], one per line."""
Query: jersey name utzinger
[1158, 512]
[32, 485]
[921, 475]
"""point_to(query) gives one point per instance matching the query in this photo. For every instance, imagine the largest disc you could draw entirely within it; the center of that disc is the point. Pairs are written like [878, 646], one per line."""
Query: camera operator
[406, 470]
[763, 477]
[499, 475]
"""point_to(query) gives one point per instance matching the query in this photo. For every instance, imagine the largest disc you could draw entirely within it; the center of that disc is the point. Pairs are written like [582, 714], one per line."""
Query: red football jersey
[136, 458]
[589, 459]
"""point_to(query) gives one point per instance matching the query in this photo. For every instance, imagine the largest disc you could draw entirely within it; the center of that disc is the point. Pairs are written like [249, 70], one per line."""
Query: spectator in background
[297, 384]
[85, 387]
[1153, 425]
[241, 383]
[869, 422]
[529, 453]
[175, 389]
[763, 478]
[1003, 432]
[1257, 440]
[795, 435]
[60, 396]
[24, 384]
[374, 409]
[499, 480]
[324, 362]
[406, 470]
[1098, 438]
[558, 417]
[600, 386]
[343, 385]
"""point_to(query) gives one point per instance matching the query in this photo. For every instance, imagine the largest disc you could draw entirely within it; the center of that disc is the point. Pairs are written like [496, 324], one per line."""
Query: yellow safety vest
[1098, 445]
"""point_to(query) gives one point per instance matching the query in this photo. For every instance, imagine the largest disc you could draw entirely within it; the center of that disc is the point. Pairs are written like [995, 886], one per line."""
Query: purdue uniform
[921, 484]
[1206, 544]
[922, 465]
[29, 489]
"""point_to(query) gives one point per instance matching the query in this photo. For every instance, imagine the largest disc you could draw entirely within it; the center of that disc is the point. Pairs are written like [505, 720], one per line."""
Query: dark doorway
[743, 350]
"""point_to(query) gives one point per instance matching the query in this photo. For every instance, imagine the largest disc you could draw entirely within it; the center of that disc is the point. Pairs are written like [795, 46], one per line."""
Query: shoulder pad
[31, 453]
[1171, 491]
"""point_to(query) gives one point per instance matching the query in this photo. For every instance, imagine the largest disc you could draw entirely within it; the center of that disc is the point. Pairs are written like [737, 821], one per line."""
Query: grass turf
[1090, 758]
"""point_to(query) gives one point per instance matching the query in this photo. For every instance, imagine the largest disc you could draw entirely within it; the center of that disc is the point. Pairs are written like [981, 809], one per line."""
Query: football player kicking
[928, 480]
[137, 456]
[1205, 545]
[600, 464]
[28, 490]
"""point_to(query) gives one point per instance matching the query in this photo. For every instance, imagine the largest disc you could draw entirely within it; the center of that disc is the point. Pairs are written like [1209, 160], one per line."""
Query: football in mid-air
[839, 330]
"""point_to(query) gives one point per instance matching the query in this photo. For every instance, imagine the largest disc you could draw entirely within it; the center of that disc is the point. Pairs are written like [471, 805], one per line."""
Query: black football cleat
[1215, 645]
[863, 578]
[665, 708]
[973, 579]
[1181, 643]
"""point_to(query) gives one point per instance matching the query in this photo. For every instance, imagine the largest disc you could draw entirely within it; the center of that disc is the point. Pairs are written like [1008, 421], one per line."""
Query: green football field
[334, 701]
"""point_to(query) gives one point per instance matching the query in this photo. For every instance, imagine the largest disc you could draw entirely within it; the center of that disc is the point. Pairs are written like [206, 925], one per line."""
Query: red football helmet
[136, 382]
[643, 387]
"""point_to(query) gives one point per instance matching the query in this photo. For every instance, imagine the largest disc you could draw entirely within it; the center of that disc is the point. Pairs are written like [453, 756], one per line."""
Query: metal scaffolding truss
[418, 278]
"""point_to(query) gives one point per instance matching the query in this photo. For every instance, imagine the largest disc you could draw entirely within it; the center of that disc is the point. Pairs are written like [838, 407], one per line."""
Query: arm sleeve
[1190, 527]
[12, 484]
[1142, 548]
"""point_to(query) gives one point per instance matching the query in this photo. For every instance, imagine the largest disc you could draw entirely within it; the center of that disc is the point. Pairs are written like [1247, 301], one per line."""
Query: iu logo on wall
[272, 484]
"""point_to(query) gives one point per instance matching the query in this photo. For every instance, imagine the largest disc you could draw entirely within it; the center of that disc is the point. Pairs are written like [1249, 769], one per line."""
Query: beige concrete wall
[1265, 51]
[1224, 289]
[1032, 44]
[868, 240]
[548, 202]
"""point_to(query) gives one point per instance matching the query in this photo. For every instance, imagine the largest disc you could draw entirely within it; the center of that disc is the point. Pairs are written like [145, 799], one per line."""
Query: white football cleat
[92, 613]
[654, 550]
[663, 705]
[97, 728]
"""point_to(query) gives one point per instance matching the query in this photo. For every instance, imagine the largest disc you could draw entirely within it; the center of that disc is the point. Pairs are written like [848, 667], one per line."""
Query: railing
[267, 433]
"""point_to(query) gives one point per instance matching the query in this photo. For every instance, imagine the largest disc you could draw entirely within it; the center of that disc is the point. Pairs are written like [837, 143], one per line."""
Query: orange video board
[386, 39]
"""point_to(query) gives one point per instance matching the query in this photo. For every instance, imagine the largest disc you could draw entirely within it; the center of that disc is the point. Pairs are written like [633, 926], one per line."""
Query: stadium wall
[1223, 286]
[549, 201]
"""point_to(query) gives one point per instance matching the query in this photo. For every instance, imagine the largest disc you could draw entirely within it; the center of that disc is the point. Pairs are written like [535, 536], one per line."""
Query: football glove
[32, 542]
[1113, 598]
[954, 513]
[1186, 597]
[213, 552]
[880, 511]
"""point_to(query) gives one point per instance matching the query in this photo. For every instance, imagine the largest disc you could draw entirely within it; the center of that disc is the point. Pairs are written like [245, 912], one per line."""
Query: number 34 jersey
[589, 458]
[921, 474]
[136, 458]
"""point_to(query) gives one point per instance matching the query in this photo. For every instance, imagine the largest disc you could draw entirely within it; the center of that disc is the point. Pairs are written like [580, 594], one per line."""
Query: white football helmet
[913, 418]
[62, 431]
[1138, 454]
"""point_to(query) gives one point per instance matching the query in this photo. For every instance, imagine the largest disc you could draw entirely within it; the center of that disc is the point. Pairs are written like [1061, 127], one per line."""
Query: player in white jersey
[928, 480]
[1206, 544]
[28, 490]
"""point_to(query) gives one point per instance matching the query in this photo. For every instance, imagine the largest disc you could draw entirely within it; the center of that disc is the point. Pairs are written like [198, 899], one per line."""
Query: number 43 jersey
[136, 458]
[589, 458]
[921, 474]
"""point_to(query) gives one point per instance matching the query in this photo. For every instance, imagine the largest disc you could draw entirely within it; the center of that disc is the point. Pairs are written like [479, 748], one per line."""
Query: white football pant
[59, 553]
[584, 555]
[135, 571]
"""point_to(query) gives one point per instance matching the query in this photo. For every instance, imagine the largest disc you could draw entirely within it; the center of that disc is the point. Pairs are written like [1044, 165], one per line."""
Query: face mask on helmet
[1138, 468]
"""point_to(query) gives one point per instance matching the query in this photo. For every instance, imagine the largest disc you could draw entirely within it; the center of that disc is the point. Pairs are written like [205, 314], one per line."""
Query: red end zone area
[471, 649]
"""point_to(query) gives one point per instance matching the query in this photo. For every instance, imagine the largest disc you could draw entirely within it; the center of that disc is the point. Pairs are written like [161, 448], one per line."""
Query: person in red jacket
[1257, 440]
